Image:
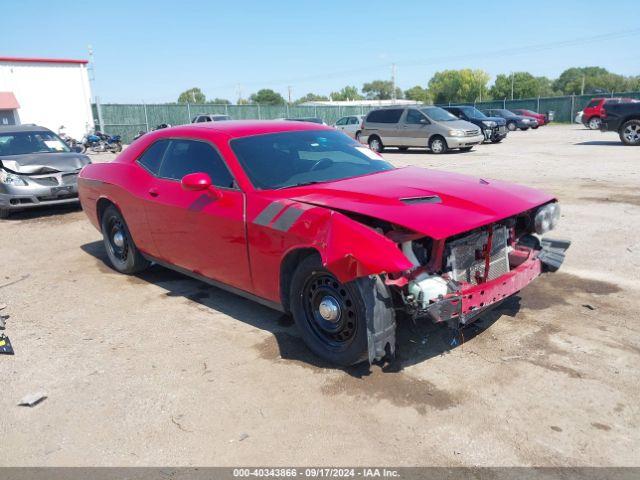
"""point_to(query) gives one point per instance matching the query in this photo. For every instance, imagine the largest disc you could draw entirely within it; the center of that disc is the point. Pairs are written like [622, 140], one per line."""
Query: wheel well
[374, 136]
[101, 206]
[287, 267]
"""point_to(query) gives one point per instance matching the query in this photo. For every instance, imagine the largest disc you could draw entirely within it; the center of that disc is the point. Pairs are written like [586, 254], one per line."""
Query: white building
[49, 92]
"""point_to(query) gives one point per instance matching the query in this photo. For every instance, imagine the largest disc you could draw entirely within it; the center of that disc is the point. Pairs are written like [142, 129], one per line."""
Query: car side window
[593, 103]
[189, 156]
[414, 117]
[152, 156]
[353, 120]
[390, 115]
[342, 121]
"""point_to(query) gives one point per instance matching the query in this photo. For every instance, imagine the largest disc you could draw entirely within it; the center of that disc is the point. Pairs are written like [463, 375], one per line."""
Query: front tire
[375, 144]
[496, 140]
[594, 123]
[357, 136]
[630, 133]
[438, 145]
[511, 126]
[333, 317]
[121, 250]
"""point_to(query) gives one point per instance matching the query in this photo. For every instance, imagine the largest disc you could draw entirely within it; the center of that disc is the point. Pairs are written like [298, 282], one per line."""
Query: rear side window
[188, 156]
[390, 115]
[353, 120]
[152, 157]
[593, 103]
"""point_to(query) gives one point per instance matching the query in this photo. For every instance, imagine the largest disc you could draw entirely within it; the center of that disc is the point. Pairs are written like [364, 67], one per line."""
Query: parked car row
[438, 129]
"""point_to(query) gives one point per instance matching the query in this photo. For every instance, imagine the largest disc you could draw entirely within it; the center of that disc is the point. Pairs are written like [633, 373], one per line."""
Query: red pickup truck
[592, 113]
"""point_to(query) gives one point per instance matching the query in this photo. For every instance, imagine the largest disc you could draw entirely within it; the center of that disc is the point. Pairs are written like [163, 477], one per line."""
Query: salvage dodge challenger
[302, 218]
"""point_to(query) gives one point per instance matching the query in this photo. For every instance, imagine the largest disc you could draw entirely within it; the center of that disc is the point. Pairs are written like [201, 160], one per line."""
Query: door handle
[154, 192]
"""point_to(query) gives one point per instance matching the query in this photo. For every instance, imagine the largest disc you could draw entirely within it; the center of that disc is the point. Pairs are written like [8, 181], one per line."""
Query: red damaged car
[540, 117]
[306, 220]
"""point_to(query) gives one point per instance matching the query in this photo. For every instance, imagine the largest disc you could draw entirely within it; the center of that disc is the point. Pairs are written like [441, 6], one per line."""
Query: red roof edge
[41, 60]
[8, 101]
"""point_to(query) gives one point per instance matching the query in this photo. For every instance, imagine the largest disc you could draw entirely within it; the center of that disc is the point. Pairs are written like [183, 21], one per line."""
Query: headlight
[546, 218]
[489, 123]
[11, 179]
[456, 133]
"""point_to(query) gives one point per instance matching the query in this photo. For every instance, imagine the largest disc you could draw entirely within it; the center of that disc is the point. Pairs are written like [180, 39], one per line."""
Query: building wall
[50, 94]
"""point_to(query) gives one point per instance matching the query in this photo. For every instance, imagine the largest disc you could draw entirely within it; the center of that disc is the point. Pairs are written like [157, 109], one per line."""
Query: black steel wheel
[122, 252]
[330, 310]
[333, 317]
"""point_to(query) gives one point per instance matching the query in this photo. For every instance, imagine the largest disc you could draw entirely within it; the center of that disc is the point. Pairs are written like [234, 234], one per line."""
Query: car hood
[434, 203]
[458, 124]
[42, 163]
[498, 120]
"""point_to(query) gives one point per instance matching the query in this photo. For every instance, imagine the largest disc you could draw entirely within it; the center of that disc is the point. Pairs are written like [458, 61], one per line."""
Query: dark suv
[493, 128]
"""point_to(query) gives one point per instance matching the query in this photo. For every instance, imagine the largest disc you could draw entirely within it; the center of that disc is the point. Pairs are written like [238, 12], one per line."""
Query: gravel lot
[159, 369]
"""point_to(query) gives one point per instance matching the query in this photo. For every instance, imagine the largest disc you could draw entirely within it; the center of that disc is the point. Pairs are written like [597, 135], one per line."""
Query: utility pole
[512, 80]
[239, 91]
[393, 82]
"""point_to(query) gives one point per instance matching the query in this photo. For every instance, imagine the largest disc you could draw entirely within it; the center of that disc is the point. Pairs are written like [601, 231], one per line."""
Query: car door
[414, 128]
[200, 231]
[352, 126]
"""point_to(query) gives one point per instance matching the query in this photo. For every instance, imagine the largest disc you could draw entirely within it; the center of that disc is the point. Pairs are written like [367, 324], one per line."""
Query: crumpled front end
[456, 279]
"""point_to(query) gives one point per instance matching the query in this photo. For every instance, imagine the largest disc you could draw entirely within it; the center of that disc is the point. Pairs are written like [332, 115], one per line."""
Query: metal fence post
[573, 104]
[188, 113]
[259, 117]
[288, 111]
[146, 118]
[504, 103]
[226, 109]
[538, 109]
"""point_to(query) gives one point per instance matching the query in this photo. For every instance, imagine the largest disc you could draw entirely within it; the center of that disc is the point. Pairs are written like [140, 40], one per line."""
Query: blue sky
[153, 50]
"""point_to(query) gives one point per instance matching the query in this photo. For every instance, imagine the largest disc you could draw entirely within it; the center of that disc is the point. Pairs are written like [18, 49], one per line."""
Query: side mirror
[198, 181]
[424, 121]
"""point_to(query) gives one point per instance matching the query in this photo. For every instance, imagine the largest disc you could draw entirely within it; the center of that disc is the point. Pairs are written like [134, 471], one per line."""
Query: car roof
[244, 128]
[23, 128]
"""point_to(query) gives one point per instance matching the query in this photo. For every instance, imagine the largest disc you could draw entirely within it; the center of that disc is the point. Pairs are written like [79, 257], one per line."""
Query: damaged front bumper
[464, 306]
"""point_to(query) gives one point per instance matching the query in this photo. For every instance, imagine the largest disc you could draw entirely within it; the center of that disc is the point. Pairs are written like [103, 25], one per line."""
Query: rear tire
[629, 133]
[524, 129]
[333, 317]
[357, 136]
[438, 145]
[511, 126]
[375, 144]
[121, 250]
[535, 127]
[594, 123]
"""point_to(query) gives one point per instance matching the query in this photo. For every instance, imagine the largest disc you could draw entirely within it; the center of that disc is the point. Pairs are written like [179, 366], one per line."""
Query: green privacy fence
[128, 119]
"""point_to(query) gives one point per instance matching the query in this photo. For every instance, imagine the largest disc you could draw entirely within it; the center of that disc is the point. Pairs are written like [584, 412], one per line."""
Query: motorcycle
[71, 142]
[101, 142]
[157, 127]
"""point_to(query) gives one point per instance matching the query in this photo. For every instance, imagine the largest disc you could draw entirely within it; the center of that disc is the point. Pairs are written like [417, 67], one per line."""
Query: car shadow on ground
[43, 212]
[602, 142]
[416, 341]
[421, 150]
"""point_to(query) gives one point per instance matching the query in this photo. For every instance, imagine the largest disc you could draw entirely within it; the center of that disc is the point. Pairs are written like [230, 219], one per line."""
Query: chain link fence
[128, 119]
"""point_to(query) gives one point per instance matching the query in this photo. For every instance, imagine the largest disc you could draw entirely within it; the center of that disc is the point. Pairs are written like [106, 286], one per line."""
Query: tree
[193, 95]
[589, 79]
[220, 101]
[524, 85]
[458, 85]
[266, 96]
[311, 97]
[418, 94]
[380, 90]
[347, 93]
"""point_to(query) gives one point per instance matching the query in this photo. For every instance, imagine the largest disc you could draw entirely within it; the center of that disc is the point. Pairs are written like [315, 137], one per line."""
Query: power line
[435, 60]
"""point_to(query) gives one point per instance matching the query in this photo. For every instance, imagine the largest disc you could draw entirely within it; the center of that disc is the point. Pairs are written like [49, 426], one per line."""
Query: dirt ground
[159, 369]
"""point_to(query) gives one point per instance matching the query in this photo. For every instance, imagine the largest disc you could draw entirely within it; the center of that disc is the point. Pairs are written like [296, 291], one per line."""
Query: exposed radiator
[467, 261]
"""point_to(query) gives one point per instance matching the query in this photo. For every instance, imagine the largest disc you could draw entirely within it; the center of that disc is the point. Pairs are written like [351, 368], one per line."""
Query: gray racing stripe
[268, 214]
[288, 218]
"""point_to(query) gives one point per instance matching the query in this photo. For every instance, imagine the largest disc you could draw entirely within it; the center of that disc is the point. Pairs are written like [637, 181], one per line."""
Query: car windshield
[23, 143]
[473, 112]
[281, 160]
[505, 113]
[438, 114]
